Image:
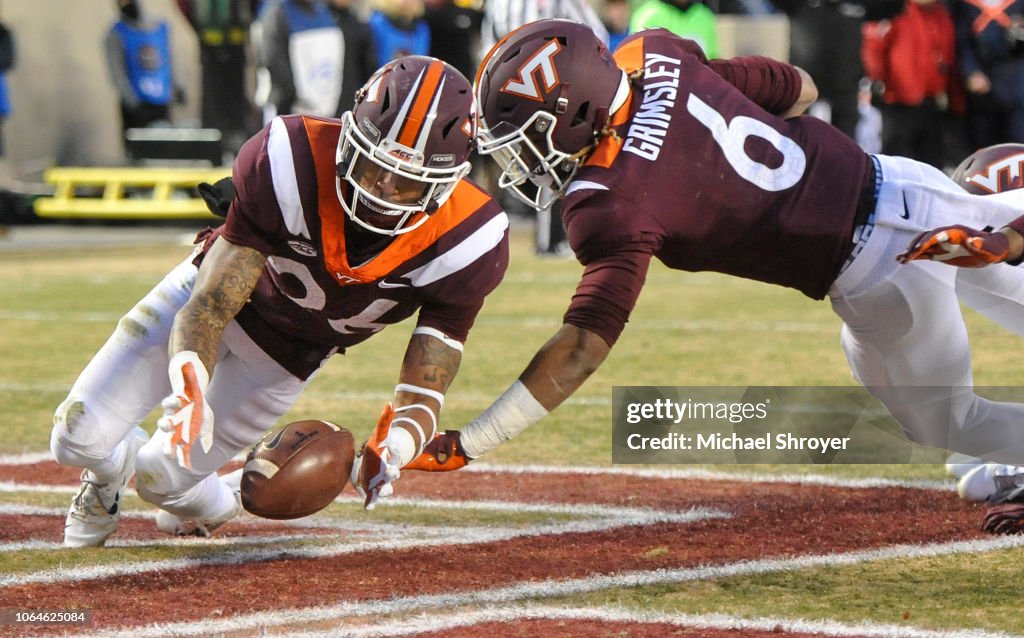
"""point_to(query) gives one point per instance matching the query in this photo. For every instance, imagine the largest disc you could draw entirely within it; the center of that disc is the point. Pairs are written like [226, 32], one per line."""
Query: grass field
[58, 306]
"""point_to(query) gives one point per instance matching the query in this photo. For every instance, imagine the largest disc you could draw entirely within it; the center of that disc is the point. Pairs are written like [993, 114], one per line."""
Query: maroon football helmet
[405, 144]
[545, 92]
[993, 169]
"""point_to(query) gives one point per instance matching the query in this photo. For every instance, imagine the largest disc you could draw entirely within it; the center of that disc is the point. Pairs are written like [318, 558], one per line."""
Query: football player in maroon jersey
[337, 229]
[707, 165]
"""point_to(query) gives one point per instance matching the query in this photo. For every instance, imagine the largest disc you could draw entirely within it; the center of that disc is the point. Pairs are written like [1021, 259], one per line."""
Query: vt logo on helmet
[993, 169]
[542, 65]
[405, 144]
[544, 93]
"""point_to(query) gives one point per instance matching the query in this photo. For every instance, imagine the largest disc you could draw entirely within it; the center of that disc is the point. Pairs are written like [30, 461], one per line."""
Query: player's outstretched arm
[557, 370]
[966, 247]
[226, 279]
[409, 423]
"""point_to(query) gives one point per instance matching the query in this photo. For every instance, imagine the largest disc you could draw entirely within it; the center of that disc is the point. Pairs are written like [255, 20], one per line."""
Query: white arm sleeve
[509, 415]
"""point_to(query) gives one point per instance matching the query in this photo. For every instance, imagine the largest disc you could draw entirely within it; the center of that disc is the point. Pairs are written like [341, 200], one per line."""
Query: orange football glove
[376, 467]
[187, 414]
[958, 246]
[443, 454]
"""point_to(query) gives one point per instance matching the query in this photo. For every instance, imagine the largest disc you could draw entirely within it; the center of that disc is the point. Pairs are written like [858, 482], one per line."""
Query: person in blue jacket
[7, 56]
[139, 57]
[302, 52]
[399, 29]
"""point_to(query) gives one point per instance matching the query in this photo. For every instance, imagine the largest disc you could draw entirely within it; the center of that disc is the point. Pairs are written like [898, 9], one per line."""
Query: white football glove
[187, 416]
[378, 465]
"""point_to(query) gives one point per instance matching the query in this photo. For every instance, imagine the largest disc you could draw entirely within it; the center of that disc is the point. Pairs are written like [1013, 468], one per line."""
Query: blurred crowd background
[930, 79]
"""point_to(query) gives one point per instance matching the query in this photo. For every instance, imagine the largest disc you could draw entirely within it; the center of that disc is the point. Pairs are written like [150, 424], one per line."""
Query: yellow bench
[127, 193]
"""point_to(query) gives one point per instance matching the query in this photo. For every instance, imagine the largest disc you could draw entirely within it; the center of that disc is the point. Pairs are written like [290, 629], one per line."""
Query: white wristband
[415, 389]
[509, 415]
[440, 336]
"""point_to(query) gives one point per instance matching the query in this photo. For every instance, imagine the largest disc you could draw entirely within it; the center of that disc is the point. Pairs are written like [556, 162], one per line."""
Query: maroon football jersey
[703, 176]
[311, 300]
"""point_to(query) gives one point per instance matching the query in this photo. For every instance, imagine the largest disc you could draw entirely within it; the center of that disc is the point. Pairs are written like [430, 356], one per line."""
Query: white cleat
[95, 510]
[176, 526]
[989, 481]
[959, 464]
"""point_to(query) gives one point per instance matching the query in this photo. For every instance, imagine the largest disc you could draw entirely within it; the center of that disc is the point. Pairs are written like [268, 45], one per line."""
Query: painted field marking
[668, 474]
[437, 624]
[55, 388]
[714, 475]
[28, 458]
[609, 518]
[556, 588]
[520, 321]
[13, 487]
[637, 515]
[170, 541]
[61, 316]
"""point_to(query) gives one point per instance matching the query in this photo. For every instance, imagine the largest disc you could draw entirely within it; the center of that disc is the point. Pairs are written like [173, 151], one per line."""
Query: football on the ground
[298, 470]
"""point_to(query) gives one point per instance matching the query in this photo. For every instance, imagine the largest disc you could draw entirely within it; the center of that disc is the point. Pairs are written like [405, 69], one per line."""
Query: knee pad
[74, 440]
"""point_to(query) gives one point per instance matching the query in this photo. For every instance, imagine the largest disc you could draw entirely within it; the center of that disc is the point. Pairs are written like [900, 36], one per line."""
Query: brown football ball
[298, 470]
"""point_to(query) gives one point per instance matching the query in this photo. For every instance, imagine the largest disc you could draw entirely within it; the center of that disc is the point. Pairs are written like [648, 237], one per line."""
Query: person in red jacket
[912, 59]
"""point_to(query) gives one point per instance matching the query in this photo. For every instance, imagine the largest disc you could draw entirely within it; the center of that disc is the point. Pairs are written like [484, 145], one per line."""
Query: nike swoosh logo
[906, 209]
[388, 284]
[270, 445]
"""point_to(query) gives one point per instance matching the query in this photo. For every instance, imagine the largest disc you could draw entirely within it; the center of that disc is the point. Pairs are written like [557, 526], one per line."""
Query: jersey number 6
[731, 136]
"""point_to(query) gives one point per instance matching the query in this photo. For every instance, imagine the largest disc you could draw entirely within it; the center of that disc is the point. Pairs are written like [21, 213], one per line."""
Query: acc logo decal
[525, 84]
[1006, 174]
[302, 248]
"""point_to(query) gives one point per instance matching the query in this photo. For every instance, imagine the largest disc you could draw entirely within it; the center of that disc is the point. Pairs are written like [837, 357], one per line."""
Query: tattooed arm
[429, 365]
[226, 278]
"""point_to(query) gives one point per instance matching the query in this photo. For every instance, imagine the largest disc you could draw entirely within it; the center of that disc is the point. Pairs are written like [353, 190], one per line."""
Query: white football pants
[128, 378]
[903, 331]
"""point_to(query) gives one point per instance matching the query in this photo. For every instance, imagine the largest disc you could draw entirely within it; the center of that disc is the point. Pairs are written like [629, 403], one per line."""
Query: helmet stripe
[421, 142]
[422, 111]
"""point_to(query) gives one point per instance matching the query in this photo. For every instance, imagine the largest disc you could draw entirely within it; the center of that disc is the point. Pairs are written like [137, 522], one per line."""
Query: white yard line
[521, 321]
[29, 458]
[579, 510]
[609, 518]
[554, 588]
[14, 487]
[446, 620]
[619, 470]
[483, 399]
[712, 475]
[61, 316]
[170, 542]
